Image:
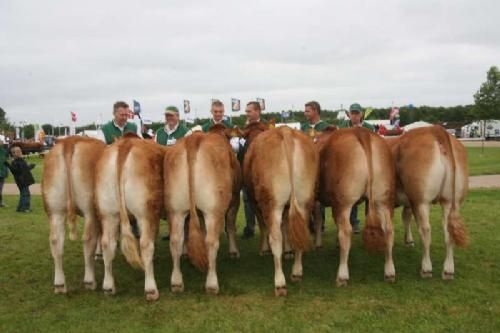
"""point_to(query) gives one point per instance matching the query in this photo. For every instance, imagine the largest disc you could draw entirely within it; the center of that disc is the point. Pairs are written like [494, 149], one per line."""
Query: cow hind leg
[213, 223]
[108, 243]
[98, 249]
[89, 246]
[147, 253]
[276, 243]
[318, 224]
[421, 212]
[176, 248]
[288, 252]
[56, 240]
[297, 272]
[406, 215]
[387, 226]
[449, 264]
[344, 238]
[264, 235]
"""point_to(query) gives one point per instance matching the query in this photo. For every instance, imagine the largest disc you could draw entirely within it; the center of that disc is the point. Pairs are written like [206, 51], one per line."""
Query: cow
[356, 163]
[431, 167]
[280, 172]
[68, 190]
[201, 178]
[129, 185]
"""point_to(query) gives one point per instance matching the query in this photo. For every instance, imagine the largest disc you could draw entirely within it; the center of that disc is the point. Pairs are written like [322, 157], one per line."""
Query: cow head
[228, 133]
[252, 130]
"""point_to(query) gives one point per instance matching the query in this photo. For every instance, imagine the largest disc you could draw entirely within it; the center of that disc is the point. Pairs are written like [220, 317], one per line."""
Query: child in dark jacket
[23, 177]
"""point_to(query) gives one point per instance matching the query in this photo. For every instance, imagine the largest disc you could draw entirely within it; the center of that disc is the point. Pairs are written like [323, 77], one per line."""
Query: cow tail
[298, 233]
[196, 248]
[373, 235]
[129, 244]
[68, 151]
[455, 225]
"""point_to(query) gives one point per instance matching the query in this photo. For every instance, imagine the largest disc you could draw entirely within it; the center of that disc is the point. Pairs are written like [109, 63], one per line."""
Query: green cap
[171, 109]
[355, 108]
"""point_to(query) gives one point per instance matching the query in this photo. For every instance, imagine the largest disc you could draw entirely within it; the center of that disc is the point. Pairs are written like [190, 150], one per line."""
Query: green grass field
[247, 303]
[479, 163]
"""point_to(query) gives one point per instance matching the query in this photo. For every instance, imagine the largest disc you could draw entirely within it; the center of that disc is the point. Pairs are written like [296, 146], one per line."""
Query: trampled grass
[247, 303]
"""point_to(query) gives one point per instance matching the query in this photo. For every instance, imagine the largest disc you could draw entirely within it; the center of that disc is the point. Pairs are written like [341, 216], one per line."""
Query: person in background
[120, 125]
[217, 111]
[173, 129]
[23, 177]
[252, 113]
[4, 171]
[355, 115]
[310, 127]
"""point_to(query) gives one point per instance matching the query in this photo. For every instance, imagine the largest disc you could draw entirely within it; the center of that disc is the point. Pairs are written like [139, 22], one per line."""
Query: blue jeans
[249, 214]
[1, 190]
[353, 218]
[24, 198]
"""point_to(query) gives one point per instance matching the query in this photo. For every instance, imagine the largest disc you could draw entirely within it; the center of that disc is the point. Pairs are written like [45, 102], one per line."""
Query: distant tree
[48, 129]
[487, 98]
[29, 131]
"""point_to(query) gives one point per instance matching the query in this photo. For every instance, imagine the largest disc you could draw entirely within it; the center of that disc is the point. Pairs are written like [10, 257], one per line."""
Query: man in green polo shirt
[312, 125]
[217, 111]
[313, 122]
[119, 125]
[355, 115]
[173, 129]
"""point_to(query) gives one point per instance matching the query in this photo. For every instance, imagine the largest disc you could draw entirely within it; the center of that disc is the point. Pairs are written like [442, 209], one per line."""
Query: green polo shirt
[347, 123]
[211, 123]
[111, 131]
[320, 126]
[166, 140]
[3, 158]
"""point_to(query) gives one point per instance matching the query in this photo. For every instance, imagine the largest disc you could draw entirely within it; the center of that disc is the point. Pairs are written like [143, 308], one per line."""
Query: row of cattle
[286, 176]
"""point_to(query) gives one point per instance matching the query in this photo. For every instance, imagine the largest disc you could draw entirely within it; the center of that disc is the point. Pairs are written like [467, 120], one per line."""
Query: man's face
[309, 113]
[17, 152]
[171, 120]
[355, 118]
[121, 116]
[252, 113]
[218, 112]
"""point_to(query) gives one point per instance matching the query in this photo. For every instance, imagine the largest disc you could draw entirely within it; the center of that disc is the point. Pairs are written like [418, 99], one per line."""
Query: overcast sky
[82, 56]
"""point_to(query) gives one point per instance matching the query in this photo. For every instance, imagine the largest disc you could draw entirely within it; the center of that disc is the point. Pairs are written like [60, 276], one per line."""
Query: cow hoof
[234, 255]
[152, 295]
[60, 289]
[448, 276]
[177, 288]
[342, 282]
[265, 253]
[212, 290]
[280, 291]
[410, 244]
[109, 292]
[289, 255]
[90, 285]
[390, 278]
[426, 274]
[98, 257]
[296, 278]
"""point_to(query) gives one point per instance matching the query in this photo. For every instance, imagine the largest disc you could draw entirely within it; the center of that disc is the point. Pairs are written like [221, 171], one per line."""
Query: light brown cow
[356, 163]
[201, 176]
[431, 167]
[279, 173]
[67, 189]
[129, 184]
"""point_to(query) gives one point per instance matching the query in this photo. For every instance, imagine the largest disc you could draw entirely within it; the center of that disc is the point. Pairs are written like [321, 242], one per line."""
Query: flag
[73, 116]
[262, 103]
[187, 106]
[137, 107]
[368, 112]
[235, 104]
